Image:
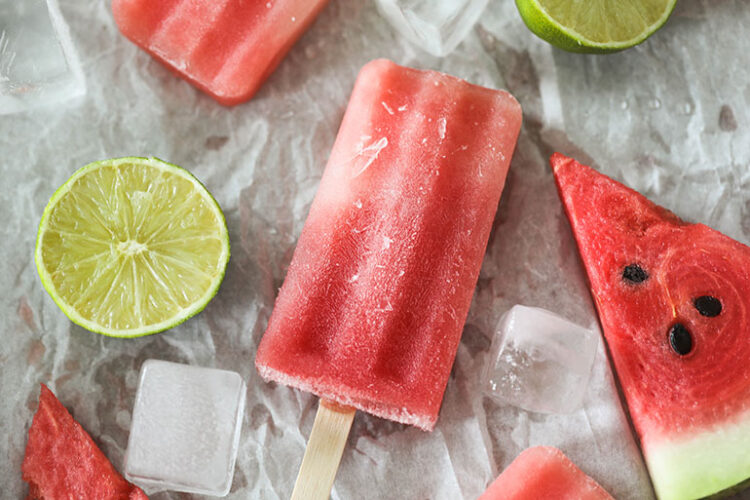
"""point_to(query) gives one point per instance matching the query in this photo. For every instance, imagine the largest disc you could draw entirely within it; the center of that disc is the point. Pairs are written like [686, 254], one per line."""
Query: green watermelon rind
[715, 462]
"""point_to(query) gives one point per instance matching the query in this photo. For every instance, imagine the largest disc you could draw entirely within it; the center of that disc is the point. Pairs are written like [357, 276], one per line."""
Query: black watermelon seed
[708, 306]
[634, 273]
[680, 339]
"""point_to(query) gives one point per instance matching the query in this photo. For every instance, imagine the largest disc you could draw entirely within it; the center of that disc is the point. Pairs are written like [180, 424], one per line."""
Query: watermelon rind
[706, 464]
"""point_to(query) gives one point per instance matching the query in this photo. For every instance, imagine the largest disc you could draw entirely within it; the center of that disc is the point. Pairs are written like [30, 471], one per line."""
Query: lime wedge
[596, 26]
[131, 246]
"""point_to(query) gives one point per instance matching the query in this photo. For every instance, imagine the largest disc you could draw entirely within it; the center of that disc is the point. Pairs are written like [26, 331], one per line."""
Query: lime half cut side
[595, 26]
[131, 246]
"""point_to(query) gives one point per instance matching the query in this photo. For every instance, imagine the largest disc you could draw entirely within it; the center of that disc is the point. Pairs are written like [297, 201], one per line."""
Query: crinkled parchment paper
[670, 118]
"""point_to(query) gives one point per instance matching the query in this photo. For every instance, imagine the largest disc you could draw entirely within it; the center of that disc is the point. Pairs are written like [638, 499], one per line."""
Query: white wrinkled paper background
[670, 118]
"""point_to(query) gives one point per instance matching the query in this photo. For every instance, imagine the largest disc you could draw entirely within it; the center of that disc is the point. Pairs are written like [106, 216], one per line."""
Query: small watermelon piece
[62, 461]
[674, 302]
[543, 473]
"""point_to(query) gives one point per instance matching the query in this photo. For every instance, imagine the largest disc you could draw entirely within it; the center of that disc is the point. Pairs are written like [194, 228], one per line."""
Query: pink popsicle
[543, 473]
[226, 48]
[371, 312]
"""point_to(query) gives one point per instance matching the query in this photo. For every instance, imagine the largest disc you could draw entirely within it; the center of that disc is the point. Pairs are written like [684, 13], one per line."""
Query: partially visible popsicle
[226, 48]
[376, 295]
[544, 473]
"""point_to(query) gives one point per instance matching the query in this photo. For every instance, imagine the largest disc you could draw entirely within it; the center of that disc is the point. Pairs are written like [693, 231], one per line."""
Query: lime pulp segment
[132, 246]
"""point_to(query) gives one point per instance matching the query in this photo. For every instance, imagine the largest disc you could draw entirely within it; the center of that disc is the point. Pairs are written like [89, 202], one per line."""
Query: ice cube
[437, 27]
[38, 64]
[185, 428]
[539, 361]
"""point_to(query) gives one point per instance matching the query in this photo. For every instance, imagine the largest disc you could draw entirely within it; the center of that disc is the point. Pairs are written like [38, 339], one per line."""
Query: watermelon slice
[543, 473]
[674, 302]
[62, 461]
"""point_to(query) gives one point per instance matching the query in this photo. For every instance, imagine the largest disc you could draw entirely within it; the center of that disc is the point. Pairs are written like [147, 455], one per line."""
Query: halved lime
[596, 26]
[131, 246]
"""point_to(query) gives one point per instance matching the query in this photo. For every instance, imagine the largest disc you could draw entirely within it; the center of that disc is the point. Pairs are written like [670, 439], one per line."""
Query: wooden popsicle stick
[323, 452]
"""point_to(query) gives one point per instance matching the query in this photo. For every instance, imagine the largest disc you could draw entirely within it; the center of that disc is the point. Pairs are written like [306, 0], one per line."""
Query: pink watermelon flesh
[375, 299]
[673, 301]
[227, 48]
[62, 462]
[544, 473]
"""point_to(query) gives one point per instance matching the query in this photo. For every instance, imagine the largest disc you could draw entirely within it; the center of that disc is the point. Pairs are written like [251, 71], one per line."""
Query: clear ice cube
[185, 428]
[436, 26]
[38, 64]
[540, 361]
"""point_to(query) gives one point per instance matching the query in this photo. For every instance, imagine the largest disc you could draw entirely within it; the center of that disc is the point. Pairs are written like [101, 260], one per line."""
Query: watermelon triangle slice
[674, 302]
[62, 461]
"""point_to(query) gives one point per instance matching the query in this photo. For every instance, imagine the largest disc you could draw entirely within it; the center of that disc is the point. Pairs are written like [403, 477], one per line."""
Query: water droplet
[654, 103]
[624, 105]
[727, 121]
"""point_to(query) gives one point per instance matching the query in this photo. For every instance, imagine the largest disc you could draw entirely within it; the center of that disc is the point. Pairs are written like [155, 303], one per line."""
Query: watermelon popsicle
[371, 312]
[544, 472]
[226, 48]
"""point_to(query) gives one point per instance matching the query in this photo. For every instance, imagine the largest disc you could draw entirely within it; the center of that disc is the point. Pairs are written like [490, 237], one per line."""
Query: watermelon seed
[680, 339]
[634, 273]
[708, 306]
